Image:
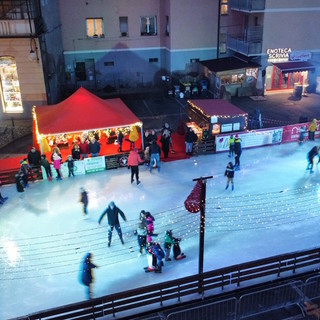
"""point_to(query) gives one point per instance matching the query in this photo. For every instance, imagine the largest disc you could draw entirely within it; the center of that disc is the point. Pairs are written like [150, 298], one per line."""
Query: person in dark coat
[45, 163]
[94, 147]
[155, 153]
[85, 201]
[112, 213]
[34, 158]
[70, 163]
[237, 152]
[190, 139]
[165, 141]
[311, 156]
[86, 275]
[120, 140]
[76, 153]
[229, 173]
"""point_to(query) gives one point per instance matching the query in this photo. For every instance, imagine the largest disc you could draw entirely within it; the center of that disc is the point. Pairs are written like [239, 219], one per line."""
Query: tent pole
[41, 149]
[142, 138]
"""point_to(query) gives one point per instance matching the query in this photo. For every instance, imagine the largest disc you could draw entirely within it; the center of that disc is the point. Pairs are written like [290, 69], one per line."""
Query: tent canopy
[217, 107]
[83, 111]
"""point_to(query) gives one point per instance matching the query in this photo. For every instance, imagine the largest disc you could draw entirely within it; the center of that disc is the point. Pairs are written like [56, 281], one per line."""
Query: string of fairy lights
[60, 254]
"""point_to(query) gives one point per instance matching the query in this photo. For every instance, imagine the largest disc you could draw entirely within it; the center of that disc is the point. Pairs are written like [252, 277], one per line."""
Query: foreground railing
[191, 288]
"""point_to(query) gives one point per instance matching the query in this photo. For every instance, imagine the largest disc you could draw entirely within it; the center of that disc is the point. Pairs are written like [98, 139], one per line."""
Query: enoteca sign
[278, 54]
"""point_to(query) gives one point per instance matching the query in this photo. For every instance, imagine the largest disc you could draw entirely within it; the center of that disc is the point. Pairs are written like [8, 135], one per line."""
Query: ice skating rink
[274, 209]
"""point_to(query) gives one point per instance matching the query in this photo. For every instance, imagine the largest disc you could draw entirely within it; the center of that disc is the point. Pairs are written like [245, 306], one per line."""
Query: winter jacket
[231, 143]
[94, 147]
[134, 158]
[191, 136]
[45, 163]
[70, 163]
[312, 153]
[313, 126]
[86, 270]
[84, 197]
[56, 161]
[34, 158]
[229, 172]
[237, 146]
[113, 216]
[76, 153]
[84, 148]
[154, 148]
[157, 251]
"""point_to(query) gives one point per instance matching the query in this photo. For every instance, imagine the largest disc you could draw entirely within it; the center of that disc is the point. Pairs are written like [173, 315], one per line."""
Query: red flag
[193, 202]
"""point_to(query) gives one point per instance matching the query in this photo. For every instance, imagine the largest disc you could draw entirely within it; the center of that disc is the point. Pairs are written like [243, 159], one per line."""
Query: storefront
[232, 76]
[288, 70]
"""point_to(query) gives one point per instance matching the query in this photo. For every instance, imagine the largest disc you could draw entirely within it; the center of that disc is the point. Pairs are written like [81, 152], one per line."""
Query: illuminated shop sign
[300, 55]
[278, 54]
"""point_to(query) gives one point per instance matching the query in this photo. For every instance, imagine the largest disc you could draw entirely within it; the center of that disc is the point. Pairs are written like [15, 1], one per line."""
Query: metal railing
[248, 5]
[194, 287]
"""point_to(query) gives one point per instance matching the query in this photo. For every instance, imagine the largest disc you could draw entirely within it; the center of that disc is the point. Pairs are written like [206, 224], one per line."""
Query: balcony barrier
[248, 5]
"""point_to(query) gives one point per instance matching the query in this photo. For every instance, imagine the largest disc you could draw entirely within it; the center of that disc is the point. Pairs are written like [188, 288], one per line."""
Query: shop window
[224, 7]
[148, 26]
[225, 80]
[95, 27]
[123, 23]
[153, 59]
[9, 86]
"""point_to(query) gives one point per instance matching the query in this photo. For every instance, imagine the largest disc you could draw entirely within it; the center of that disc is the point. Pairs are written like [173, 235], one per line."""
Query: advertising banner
[291, 132]
[78, 169]
[251, 139]
[94, 164]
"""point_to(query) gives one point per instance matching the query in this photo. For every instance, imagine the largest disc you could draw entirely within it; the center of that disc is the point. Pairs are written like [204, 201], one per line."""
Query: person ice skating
[149, 219]
[133, 162]
[142, 233]
[45, 163]
[24, 172]
[165, 141]
[312, 158]
[112, 213]
[86, 276]
[70, 163]
[231, 146]
[84, 199]
[155, 153]
[237, 152]
[190, 139]
[2, 199]
[229, 173]
[302, 134]
[57, 164]
[155, 257]
[169, 241]
[312, 129]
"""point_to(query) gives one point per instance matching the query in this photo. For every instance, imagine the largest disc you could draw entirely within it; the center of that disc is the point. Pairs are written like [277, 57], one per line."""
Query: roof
[230, 63]
[217, 107]
[83, 111]
[295, 66]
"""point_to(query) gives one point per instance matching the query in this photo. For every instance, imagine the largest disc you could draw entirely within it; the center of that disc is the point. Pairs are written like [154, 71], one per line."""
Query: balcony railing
[15, 28]
[245, 47]
[247, 5]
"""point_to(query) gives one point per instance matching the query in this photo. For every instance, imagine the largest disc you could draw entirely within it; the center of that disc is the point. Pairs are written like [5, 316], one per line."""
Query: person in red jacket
[133, 162]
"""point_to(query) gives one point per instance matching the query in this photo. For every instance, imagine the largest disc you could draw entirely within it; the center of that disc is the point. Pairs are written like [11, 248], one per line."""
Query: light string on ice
[223, 214]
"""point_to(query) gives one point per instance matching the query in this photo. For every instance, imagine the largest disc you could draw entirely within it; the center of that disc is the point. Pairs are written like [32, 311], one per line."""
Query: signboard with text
[94, 164]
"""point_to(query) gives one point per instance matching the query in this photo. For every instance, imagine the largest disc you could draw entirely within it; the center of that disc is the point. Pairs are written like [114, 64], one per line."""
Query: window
[223, 43]
[80, 71]
[167, 33]
[109, 63]
[123, 23]
[224, 7]
[153, 59]
[9, 86]
[148, 26]
[95, 27]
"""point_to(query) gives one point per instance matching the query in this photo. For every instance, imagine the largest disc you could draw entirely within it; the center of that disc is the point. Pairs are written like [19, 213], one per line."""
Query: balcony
[248, 5]
[15, 28]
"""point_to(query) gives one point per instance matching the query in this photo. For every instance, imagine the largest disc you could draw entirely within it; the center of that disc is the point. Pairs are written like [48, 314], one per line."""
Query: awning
[295, 66]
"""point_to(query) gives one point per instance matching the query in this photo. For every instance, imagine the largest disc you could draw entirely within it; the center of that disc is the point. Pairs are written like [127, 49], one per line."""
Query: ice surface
[43, 238]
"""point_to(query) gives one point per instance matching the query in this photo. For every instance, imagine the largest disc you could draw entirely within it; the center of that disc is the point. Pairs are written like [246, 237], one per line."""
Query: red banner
[291, 132]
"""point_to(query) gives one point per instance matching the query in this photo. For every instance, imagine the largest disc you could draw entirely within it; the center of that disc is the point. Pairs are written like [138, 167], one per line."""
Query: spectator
[120, 139]
[165, 141]
[76, 153]
[94, 147]
[190, 139]
[166, 126]
[84, 148]
[45, 163]
[312, 129]
[34, 158]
